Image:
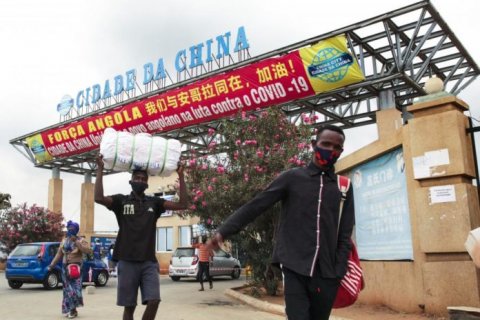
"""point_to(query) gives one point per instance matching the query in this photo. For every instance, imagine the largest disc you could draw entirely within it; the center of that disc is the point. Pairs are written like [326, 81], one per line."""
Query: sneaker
[72, 314]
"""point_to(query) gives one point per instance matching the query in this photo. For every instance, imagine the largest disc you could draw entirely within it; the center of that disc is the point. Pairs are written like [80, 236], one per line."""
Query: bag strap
[343, 185]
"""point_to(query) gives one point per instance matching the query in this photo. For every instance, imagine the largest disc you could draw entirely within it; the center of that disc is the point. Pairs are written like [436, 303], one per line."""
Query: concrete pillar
[55, 191]
[441, 273]
[389, 119]
[386, 99]
[439, 145]
[87, 207]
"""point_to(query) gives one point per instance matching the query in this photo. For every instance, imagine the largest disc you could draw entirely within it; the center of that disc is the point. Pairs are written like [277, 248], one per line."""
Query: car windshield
[26, 250]
[184, 252]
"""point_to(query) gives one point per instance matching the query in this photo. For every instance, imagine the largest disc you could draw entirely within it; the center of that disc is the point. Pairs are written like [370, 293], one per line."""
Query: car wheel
[175, 278]
[236, 273]
[101, 279]
[15, 284]
[52, 280]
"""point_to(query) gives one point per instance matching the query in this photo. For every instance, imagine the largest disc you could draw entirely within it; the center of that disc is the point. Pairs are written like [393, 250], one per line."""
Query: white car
[184, 263]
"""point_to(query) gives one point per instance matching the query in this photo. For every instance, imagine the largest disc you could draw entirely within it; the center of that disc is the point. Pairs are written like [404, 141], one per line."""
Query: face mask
[325, 157]
[138, 187]
[72, 228]
[71, 233]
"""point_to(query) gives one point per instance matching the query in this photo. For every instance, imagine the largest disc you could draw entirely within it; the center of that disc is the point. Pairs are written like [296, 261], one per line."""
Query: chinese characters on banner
[302, 73]
[381, 209]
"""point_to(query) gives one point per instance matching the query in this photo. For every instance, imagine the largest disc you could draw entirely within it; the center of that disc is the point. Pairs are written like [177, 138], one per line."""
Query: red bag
[73, 271]
[352, 283]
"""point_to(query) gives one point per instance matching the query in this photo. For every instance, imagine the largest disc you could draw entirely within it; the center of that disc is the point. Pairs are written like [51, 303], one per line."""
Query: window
[185, 233]
[52, 250]
[184, 252]
[26, 250]
[168, 213]
[221, 254]
[164, 239]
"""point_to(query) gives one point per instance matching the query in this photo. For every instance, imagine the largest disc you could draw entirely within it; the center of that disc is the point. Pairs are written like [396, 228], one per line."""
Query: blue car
[28, 263]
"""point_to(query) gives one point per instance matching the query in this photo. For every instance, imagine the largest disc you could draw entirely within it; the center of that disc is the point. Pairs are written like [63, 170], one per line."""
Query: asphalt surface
[180, 301]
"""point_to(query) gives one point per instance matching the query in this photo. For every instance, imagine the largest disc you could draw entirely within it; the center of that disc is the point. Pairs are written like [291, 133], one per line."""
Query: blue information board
[381, 209]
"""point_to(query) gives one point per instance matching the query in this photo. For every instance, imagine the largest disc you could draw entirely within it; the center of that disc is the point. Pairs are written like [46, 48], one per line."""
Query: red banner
[270, 82]
[260, 85]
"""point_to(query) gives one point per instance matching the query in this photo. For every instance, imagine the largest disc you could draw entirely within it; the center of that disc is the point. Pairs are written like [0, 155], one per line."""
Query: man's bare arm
[182, 204]
[99, 196]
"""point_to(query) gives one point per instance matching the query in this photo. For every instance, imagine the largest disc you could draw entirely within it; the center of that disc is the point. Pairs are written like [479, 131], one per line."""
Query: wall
[441, 273]
[175, 222]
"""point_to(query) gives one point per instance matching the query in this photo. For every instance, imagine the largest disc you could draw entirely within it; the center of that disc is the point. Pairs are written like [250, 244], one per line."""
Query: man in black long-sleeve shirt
[313, 256]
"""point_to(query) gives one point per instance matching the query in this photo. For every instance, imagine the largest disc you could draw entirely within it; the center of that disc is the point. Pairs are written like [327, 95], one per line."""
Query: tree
[29, 224]
[5, 201]
[252, 152]
[4, 205]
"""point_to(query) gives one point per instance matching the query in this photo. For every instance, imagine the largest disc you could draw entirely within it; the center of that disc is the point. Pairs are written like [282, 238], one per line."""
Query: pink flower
[192, 162]
[199, 193]
[214, 179]
[210, 188]
[212, 145]
[209, 221]
[204, 203]
[211, 131]
[204, 167]
[260, 153]
[220, 169]
[293, 159]
[302, 145]
[246, 177]
[258, 169]
[193, 207]
[238, 142]
[244, 114]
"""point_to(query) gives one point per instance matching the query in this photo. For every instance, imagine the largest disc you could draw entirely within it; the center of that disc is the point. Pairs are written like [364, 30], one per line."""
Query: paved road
[180, 301]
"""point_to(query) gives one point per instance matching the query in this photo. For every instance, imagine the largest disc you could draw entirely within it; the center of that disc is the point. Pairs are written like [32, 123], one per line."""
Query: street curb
[257, 304]
[263, 305]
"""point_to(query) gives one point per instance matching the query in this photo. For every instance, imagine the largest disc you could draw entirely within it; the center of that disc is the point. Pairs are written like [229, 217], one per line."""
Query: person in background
[205, 255]
[137, 216]
[112, 264]
[97, 249]
[71, 250]
[311, 245]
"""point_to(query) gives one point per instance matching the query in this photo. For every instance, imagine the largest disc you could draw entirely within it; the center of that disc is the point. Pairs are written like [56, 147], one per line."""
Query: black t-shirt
[137, 222]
